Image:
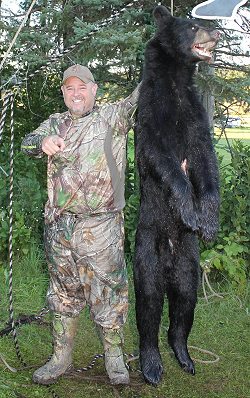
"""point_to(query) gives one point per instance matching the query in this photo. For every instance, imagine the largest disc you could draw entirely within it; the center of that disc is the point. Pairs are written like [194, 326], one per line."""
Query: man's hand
[53, 144]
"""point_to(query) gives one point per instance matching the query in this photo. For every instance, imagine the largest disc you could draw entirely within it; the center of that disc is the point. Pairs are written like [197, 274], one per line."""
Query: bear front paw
[183, 205]
[189, 218]
[209, 218]
[208, 229]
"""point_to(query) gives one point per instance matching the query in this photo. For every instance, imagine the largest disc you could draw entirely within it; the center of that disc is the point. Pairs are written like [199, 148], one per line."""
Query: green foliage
[132, 201]
[230, 252]
[230, 88]
[22, 235]
[28, 201]
[115, 53]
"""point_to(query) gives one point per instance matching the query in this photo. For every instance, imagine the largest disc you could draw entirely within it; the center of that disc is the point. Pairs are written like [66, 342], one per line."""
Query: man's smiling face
[79, 97]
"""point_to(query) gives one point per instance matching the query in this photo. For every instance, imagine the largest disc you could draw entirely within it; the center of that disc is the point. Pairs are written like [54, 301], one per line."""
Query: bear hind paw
[185, 361]
[151, 366]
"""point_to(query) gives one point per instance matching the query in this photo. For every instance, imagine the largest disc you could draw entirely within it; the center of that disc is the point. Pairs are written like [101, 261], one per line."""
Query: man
[86, 148]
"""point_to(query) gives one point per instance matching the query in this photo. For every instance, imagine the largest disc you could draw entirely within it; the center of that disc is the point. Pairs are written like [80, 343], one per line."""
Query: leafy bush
[230, 252]
[28, 201]
[132, 201]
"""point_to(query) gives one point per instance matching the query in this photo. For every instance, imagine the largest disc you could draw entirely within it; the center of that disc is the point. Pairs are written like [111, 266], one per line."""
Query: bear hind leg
[149, 294]
[182, 297]
[179, 329]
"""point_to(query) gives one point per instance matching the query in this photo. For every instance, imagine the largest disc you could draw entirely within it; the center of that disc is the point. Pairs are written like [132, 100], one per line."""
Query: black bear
[179, 187]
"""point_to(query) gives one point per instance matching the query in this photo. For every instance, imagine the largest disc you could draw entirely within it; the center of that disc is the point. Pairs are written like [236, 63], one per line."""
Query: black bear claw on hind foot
[153, 374]
[185, 362]
[188, 367]
[152, 369]
[181, 354]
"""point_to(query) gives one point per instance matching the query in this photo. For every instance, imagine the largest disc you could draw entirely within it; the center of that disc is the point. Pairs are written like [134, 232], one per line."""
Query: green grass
[242, 134]
[221, 326]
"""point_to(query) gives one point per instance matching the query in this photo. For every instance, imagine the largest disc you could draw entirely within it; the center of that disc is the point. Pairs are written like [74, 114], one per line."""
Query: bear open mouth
[204, 50]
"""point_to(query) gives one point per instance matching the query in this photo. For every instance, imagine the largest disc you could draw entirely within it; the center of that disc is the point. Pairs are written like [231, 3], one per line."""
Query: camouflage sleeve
[129, 104]
[32, 143]
[122, 117]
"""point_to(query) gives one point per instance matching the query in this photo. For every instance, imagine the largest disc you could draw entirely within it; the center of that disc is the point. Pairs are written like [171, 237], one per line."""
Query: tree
[114, 50]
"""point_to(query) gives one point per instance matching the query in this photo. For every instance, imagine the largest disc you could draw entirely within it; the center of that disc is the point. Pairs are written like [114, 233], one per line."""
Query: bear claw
[151, 367]
[184, 359]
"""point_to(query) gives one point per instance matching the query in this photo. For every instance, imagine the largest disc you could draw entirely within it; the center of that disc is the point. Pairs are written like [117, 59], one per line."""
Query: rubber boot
[64, 330]
[114, 362]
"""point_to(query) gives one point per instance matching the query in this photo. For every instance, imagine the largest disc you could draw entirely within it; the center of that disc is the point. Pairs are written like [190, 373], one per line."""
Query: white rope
[212, 354]
[17, 33]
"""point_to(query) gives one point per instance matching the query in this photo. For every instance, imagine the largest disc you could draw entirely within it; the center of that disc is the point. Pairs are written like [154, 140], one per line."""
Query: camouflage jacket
[87, 178]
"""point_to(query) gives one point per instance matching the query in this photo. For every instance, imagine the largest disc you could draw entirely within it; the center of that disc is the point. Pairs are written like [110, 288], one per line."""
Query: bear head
[183, 39]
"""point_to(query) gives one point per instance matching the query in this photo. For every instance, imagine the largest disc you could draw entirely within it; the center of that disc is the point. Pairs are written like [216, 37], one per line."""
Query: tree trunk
[207, 97]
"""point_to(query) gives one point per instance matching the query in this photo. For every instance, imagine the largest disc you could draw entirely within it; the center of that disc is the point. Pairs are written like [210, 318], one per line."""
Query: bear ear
[161, 15]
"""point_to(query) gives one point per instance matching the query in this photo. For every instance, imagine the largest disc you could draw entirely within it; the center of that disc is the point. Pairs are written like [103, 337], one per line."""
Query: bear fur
[179, 187]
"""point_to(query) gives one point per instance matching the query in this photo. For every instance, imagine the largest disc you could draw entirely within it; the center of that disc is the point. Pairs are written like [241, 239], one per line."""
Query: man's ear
[94, 89]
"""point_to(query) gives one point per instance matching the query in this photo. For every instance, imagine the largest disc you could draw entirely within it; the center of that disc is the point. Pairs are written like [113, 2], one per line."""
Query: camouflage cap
[82, 72]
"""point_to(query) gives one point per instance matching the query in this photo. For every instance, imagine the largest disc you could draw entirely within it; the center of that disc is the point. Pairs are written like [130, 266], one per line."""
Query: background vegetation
[114, 51]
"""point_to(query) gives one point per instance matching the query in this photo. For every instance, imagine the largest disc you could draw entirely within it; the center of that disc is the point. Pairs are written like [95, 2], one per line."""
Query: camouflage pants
[86, 265]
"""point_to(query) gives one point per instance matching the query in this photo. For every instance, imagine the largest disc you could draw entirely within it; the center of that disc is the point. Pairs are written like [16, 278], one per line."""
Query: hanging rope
[16, 35]
[11, 311]
[6, 100]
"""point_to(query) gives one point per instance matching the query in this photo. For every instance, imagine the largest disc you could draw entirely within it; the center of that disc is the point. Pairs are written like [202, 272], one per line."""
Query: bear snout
[215, 34]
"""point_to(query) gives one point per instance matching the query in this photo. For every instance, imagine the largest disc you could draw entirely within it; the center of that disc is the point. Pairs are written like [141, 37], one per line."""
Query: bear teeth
[202, 50]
